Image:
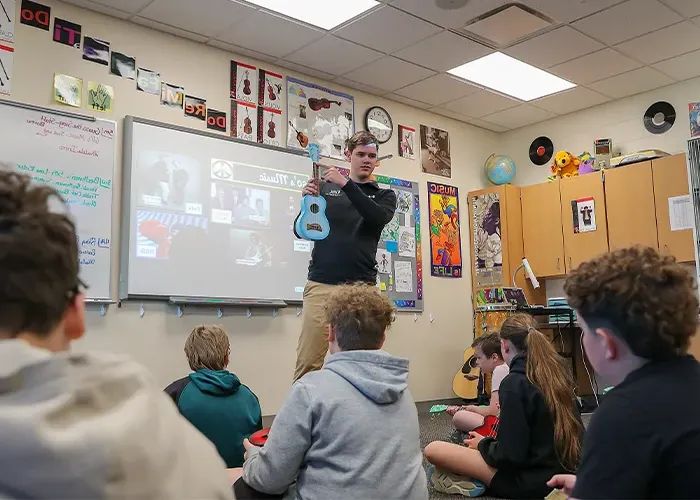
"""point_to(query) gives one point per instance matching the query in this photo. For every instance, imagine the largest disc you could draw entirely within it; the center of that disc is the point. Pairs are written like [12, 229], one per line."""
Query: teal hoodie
[222, 408]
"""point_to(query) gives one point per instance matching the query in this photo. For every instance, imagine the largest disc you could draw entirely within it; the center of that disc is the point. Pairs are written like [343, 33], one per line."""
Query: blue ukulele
[312, 223]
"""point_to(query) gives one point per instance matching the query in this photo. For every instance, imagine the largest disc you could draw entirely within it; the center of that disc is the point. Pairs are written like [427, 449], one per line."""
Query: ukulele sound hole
[314, 208]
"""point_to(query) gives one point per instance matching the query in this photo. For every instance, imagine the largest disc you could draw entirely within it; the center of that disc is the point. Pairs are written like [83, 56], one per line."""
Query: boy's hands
[564, 482]
[473, 441]
[247, 445]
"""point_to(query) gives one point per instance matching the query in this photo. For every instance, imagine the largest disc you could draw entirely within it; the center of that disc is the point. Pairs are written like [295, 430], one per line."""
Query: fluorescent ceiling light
[509, 76]
[321, 13]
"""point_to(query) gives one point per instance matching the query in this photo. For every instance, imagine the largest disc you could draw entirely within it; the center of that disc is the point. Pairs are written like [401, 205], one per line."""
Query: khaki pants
[313, 341]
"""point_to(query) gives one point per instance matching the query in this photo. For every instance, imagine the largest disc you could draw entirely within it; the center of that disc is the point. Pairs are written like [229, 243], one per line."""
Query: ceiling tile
[278, 38]
[102, 9]
[480, 104]
[389, 73]
[634, 82]
[682, 67]
[438, 89]
[602, 64]
[169, 29]
[627, 20]
[359, 86]
[687, 8]
[407, 101]
[457, 18]
[519, 116]
[133, 6]
[450, 114]
[241, 51]
[554, 47]
[333, 55]
[304, 70]
[387, 30]
[664, 43]
[570, 101]
[507, 26]
[488, 126]
[193, 16]
[570, 10]
[443, 51]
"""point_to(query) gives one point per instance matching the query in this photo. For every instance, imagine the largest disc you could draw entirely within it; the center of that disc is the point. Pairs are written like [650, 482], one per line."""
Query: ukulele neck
[317, 173]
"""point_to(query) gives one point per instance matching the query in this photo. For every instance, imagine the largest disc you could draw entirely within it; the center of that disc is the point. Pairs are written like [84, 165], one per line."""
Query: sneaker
[453, 484]
[457, 437]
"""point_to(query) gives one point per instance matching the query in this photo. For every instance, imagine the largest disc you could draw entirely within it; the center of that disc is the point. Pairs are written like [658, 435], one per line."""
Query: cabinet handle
[557, 263]
[570, 263]
[666, 248]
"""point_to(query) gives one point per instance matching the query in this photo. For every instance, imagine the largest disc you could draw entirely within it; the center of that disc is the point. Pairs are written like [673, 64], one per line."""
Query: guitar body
[466, 382]
[312, 223]
[489, 428]
[259, 438]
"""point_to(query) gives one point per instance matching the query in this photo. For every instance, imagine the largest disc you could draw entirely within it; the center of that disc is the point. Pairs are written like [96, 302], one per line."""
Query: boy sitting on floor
[212, 398]
[78, 425]
[489, 359]
[638, 311]
[349, 430]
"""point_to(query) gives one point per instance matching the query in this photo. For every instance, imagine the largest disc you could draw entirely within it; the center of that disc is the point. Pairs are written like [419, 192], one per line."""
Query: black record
[541, 150]
[659, 118]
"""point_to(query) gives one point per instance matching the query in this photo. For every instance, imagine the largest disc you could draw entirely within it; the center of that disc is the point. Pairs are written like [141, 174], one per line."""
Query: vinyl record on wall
[659, 118]
[541, 150]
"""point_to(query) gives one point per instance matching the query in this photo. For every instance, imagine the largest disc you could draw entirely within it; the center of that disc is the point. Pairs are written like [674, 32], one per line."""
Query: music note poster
[270, 86]
[243, 82]
[269, 126]
[244, 123]
[324, 116]
[445, 242]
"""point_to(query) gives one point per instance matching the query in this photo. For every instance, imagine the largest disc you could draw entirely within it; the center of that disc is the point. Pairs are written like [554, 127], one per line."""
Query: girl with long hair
[540, 428]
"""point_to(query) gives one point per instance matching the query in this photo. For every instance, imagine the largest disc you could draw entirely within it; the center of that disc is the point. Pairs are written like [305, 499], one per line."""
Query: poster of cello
[320, 115]
[445, 244]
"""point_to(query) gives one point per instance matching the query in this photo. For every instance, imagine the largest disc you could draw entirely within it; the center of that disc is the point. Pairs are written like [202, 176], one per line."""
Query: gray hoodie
[348, 431]
[89, 426]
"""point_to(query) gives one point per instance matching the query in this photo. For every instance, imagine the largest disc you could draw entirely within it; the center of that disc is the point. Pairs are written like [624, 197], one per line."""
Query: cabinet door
[671, 180]
[629, 203]
[542, 239]
[585, 230]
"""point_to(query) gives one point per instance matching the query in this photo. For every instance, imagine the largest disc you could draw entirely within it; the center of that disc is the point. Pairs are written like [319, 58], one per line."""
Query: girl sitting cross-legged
[540, 427]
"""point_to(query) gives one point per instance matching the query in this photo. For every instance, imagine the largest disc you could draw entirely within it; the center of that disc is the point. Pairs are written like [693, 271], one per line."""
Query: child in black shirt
[638, 311]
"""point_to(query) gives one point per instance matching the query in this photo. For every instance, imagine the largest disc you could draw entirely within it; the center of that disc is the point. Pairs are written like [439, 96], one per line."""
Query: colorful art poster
[435, 151]
[445, 242]
[487, 251]
[694, 118]
[243, 79]
[407, 140]
[320, 115]
[269, 126]
[270, 87]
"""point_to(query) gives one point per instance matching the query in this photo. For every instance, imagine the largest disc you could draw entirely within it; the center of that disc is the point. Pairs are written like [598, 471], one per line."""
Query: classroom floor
[438, 428]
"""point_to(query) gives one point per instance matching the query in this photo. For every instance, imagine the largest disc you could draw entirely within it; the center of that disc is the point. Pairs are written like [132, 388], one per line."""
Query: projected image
[162, 235]
[250, 248]
[169, 181]
[222, 169]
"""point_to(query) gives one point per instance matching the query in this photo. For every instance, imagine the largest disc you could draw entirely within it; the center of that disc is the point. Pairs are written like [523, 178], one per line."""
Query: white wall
[620, 121]
[263, 348]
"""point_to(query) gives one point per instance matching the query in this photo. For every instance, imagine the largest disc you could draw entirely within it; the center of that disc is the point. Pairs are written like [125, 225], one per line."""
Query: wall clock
[378, 122]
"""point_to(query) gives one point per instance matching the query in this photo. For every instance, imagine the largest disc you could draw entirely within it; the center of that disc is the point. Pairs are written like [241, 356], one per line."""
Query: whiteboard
[75, 154]
[210, 216]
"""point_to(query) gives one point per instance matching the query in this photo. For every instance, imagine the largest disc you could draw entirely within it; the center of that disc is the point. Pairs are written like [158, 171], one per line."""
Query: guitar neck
[317, 173]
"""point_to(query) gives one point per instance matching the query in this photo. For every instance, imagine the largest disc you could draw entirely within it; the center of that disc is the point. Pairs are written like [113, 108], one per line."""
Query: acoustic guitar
[466, 382]
[302, 139]
[311, 223]
[318, 104]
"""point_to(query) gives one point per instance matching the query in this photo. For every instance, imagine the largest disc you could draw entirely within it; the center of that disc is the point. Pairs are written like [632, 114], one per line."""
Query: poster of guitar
[321, 115]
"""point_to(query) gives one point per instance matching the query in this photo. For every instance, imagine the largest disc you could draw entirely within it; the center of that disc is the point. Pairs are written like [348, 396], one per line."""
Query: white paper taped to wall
[680, 212]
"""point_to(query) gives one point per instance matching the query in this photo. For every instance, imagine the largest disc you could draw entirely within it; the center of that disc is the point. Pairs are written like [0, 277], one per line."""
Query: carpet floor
[438, 428]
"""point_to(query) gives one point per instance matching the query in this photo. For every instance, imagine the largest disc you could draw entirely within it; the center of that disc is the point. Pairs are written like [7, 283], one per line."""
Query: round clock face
[378, 121]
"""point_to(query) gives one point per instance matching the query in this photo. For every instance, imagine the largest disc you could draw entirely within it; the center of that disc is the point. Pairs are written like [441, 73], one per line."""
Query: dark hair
[360, 316]
[38, 257]
[361, 138]
[646, 299]
[489, 343]
[547, 371]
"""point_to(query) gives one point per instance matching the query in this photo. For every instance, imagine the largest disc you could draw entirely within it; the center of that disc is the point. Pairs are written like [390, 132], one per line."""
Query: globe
[500, 169]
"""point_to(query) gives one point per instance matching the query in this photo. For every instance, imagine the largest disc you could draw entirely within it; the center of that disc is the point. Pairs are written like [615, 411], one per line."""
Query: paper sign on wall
[6, 58]
[584, 215]
[7, 20]
[68, 90]
[680, 212]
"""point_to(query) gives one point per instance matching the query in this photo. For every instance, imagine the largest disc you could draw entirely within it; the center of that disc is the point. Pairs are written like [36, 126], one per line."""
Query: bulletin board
[399, 254]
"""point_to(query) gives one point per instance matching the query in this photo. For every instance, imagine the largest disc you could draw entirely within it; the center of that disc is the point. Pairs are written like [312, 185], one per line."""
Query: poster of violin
[269, 126]
[320, 115]
[270, 87]
[445, 242]
[243, 82]
[244, 123]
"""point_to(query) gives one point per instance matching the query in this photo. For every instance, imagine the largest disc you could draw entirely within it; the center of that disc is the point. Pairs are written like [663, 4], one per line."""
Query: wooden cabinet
[543, 243]
[670, 177]
[581, 244]
[630, 207]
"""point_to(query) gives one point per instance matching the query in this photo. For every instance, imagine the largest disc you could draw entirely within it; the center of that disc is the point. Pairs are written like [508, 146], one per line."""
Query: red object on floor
[259, 438]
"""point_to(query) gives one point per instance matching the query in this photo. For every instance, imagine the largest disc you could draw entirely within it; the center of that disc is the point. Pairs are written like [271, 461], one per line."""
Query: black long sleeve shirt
[357, 213]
